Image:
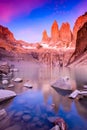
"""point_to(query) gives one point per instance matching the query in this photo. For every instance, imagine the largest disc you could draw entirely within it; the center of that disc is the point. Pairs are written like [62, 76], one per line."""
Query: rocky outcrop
[4, 68]
[6, 94]
[78, 25]
[59, 38]
[45, 37]
[7, 40]
[9, 46]
[54, 32]
[81, 43]
[6, 34]
[65, 33]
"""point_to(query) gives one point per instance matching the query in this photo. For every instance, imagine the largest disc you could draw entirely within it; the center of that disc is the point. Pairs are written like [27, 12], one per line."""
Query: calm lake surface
[32, 107]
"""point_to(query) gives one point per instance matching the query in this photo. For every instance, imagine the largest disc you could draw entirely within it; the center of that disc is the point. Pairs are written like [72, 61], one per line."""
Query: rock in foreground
[2, 114]
[6, 94]
[56, 127]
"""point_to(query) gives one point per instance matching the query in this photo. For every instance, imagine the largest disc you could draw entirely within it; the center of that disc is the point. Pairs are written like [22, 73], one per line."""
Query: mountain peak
[55, 31]
[45, 37]
[65, 32]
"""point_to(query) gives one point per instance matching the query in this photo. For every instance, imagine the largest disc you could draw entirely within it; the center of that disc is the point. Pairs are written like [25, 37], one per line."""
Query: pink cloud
[12, 8]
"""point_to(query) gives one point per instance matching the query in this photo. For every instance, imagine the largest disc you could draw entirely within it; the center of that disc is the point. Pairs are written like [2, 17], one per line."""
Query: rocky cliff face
[9, 46]
[5, 34]
[59, 38]
[78, 24]
[65, 33]
[81, 44]
[81, 41]
[54, 32]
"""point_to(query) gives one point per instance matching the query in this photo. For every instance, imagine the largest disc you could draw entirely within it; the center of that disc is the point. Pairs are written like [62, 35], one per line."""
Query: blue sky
[27, 19]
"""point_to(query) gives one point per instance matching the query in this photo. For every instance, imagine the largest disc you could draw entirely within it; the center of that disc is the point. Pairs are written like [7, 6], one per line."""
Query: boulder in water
[28, 85]
[74, 94]
[6, 94]
[63, 83]
[18, 80]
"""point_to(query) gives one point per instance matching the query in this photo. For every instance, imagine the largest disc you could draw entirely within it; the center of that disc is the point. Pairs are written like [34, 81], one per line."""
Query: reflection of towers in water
[55, 99]
[44, 73]
[46, 89]
[60, 100]
[82, 108]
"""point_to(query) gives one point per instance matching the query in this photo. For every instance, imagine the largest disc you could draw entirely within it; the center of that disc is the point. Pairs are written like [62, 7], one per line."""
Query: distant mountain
[61, 41]
[63, 37]
[65, 33]
[9, 46]
[45, 37]
[55, 32]
[9, 43]
[59, 37]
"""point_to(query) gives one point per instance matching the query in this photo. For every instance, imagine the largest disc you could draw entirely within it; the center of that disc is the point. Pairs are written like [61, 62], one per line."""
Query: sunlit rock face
[7, 40]
[6, 34]
[9, 46]
[59, 38]
[54, 32]
[65, 33]
[45, 38]
[78, 24]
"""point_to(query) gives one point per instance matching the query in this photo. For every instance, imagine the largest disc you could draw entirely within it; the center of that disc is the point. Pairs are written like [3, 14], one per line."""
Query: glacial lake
[31, 108]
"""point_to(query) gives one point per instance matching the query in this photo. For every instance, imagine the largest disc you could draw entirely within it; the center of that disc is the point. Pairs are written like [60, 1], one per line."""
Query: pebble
[19, 113]
[27, 112]
[11, 85]
[28, 85]
[35, 119]
[17, 118]
[5, 82]
[26, 117]
[40, 123]
[18, 80]
[14, 70]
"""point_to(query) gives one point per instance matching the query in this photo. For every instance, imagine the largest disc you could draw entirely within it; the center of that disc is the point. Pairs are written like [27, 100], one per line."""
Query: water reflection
[32, 108]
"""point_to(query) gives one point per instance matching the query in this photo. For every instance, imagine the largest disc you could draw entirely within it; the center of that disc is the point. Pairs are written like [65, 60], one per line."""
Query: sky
[28, 18]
